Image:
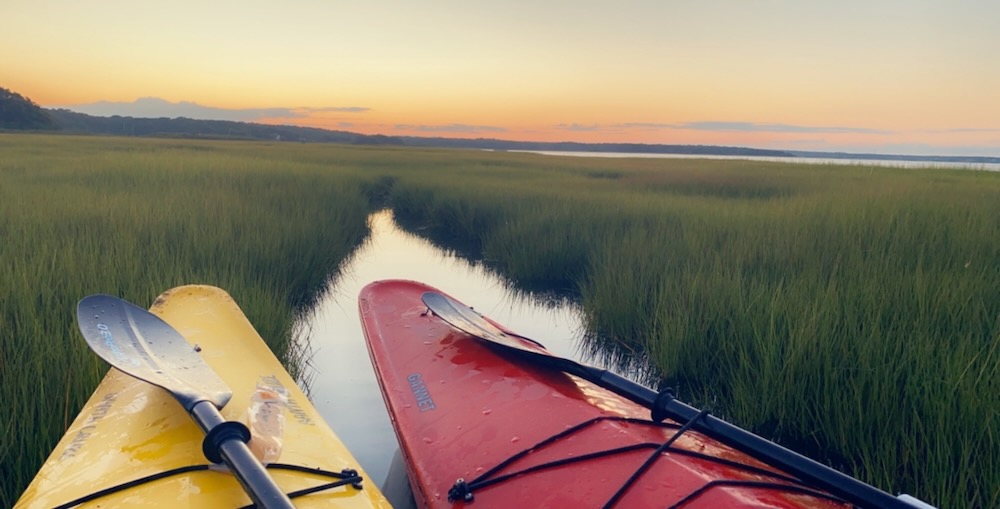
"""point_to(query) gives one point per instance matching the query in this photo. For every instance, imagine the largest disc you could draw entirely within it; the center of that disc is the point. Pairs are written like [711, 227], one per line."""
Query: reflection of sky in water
[342, 383]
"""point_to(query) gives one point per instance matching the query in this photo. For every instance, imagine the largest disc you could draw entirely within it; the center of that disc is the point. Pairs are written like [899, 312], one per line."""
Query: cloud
[336, 109]
[774, 128]
[720, 126]
[451, 128]
[154, 107]
[581, 127]
[648, 125]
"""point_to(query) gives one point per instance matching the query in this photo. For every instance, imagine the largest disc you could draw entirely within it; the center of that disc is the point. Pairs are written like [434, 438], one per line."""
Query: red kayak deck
[465, 410]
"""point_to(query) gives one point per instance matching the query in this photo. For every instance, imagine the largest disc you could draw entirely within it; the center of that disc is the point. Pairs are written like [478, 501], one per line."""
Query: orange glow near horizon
[598, 133]
[776, 75]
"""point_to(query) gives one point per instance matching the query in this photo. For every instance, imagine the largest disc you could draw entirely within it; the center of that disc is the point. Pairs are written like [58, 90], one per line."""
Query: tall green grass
[133, 218]
[852, 313]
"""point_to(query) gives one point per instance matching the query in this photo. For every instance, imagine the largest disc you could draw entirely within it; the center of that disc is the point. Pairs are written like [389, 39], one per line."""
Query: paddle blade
[463, 318]
[142, 345]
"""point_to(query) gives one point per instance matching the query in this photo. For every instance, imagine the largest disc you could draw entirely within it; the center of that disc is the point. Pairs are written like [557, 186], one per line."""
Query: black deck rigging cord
[344, 477]
[464, 490]
[651, 459]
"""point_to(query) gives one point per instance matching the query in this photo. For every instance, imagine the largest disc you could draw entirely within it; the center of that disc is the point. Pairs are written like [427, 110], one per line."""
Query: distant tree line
[73, 122]
[571, 146]
[19, 112]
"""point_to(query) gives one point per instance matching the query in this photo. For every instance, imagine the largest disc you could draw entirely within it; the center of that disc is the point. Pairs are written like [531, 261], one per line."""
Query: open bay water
[339, 376]
[887, 163]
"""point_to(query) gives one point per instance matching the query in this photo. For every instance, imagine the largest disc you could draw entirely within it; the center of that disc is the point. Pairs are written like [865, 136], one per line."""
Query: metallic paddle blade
[142, 345]
[463, 318]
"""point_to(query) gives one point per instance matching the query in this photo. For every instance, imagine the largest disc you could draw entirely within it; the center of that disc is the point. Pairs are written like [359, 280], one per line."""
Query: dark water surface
[340, 378]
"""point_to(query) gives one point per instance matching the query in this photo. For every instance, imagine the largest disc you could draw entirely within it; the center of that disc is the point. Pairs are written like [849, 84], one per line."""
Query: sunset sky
[885, 76]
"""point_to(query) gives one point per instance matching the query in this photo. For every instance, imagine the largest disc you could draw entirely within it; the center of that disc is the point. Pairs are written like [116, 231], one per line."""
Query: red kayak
[479, 424]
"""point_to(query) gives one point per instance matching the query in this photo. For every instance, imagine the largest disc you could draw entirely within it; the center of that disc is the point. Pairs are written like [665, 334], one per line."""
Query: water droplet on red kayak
[515, 440]
[427, 440]
[487, 411]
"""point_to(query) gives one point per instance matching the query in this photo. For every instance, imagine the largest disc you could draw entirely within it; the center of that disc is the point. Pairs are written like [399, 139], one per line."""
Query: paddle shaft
[241, 462]
[808, 470]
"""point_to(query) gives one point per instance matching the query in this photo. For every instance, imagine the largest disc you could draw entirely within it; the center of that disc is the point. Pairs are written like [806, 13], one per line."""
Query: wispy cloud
[720, 126]
[154, 107]
[648, 125]
[774, 128]
[581, 127]
[335, 109]
[450, 128]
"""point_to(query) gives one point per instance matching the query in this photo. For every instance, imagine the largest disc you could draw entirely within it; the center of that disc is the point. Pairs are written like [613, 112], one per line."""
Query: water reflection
[341, 381]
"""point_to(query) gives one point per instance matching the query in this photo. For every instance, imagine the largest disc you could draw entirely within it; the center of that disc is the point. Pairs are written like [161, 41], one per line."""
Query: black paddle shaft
[226, 441]
[811, 471]
[141, 344]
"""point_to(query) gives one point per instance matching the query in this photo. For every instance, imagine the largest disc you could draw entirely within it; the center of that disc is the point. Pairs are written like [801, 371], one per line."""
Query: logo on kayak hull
[420, 391]
[292, 404]
[100, 411]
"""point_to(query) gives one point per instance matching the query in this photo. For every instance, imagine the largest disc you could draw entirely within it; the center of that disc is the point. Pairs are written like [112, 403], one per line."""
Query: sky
[879, 76]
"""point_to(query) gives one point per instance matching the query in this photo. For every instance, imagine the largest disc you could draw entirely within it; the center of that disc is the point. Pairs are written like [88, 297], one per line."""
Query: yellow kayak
[135, 438]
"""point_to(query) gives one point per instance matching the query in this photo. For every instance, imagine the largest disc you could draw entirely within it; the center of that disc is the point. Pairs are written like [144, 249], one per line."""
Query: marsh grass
[133, 218]
[851, 313]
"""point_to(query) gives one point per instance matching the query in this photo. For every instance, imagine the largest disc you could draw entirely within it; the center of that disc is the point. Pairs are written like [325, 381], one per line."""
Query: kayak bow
[132, 445]
[484, 415]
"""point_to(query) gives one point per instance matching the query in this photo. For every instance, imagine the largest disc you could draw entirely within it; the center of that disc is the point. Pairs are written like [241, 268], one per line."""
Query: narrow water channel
[339, 374]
